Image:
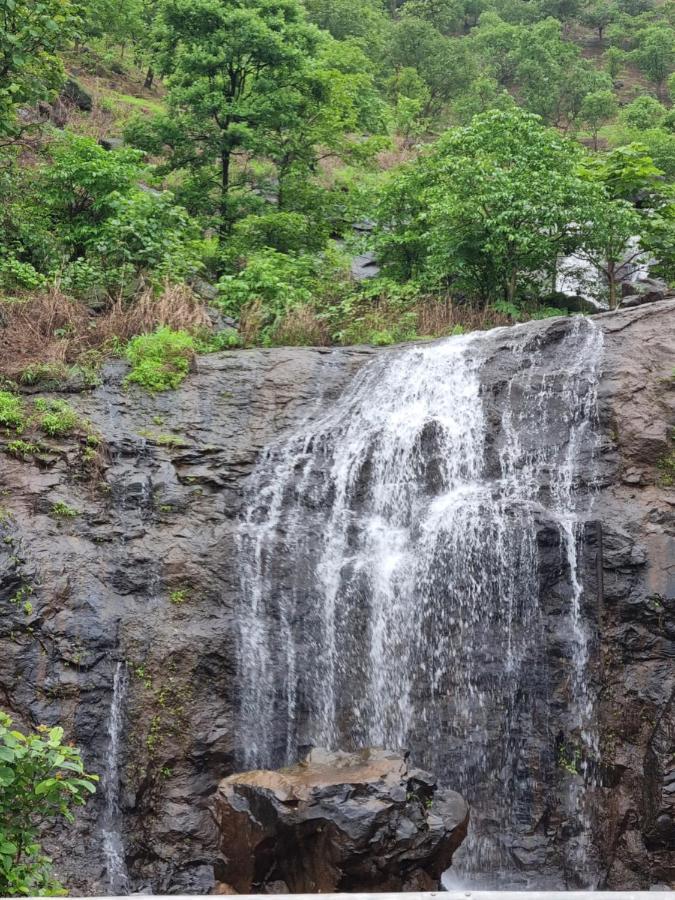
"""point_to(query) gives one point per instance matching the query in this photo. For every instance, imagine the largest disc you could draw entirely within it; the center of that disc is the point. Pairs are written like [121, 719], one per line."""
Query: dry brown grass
[398, 154]
[440, 316]
[177, 307]
[301, 328]
[51, 329]
[251, 322]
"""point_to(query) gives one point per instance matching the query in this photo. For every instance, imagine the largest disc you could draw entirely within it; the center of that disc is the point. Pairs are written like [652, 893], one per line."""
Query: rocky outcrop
[341, 822]
[146, 571]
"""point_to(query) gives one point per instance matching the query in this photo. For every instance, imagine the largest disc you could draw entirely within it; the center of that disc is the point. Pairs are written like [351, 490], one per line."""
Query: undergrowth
[160, 361]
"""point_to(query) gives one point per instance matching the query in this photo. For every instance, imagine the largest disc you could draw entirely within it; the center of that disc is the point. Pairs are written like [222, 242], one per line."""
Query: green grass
[21, 448]
[56, 418]
[160, 361]
[11, 411]
[153, 106]
[61, 510]
[666, 466]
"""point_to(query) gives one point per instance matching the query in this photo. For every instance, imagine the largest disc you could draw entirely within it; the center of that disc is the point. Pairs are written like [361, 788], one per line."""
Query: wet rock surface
[147, 571]
[366, 821]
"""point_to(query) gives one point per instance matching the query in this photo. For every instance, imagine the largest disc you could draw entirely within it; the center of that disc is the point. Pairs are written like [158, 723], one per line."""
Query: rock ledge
[335, 822]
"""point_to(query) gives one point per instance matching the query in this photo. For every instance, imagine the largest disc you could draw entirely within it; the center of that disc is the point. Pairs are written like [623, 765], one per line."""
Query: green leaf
[7, 775]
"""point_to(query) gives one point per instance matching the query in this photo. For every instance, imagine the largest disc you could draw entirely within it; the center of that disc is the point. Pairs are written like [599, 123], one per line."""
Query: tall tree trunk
[611, 281]
[225, 216]
[512, 285]
[149, 78]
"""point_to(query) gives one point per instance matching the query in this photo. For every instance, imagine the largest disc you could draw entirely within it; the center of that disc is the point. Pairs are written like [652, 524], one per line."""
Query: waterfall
[113, 848]
[391, 587]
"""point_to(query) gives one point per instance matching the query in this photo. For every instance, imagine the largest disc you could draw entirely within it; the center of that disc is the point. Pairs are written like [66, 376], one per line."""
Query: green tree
[233, 74]
[614, 59]
[364, 20]
[445, 15]
[444, 64]
[597, 108]
[644, 112]
[606, 243]
[117, 21]
[655, 53]
[41, 779]
[598, 15]
[31, 33]
[562, 10]
[550, 74]
[625, 173]
[489, 209]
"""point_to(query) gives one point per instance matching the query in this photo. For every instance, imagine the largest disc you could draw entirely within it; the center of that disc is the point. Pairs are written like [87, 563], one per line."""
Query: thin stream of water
[113, 847]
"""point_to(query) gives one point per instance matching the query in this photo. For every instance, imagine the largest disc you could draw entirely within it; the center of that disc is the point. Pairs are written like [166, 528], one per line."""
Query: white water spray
[391, 589]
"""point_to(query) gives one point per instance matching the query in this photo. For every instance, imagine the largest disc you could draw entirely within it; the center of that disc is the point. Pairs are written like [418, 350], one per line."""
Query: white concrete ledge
[446, 895]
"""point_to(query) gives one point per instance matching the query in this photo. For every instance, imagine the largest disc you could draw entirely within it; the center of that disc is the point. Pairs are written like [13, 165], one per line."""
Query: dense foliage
[235, 145]
[41, 779]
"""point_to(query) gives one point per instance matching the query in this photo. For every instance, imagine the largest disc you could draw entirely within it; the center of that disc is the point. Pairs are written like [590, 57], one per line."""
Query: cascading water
[113, 848]
[391, 579]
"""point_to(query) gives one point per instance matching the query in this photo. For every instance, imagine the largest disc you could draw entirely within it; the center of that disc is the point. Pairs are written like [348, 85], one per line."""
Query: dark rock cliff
[147, 572]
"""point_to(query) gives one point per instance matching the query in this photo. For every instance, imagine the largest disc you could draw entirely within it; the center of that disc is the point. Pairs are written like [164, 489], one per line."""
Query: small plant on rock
[11, 411]
[61, 510]
[56, 418]
[160, 361]
[21, 449]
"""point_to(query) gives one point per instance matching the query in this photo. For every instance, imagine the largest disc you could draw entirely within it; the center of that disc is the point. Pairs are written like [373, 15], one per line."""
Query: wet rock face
[147, 571]
[364, 821]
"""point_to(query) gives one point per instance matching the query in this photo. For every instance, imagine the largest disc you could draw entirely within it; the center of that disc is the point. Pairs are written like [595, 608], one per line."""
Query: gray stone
[74, 93]
[365, 266]
[111, 143]
[337, 822]
[203, 289]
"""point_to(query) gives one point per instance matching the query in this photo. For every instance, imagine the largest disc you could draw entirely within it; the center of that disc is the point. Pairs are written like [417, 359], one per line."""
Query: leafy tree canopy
[31, 33]
[491, 207]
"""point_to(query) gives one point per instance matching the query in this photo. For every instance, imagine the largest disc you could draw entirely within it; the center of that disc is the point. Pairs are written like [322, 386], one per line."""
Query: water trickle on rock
[113, 847]
[391, 583]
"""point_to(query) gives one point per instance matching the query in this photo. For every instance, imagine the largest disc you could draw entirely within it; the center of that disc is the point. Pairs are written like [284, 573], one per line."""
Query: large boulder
[74, 93]
[364, 821]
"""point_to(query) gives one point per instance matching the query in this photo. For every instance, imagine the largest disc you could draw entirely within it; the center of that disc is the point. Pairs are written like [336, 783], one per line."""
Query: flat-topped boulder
[365, 821]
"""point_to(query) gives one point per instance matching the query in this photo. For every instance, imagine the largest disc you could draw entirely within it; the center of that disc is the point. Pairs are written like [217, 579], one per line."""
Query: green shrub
[56, 418]
[22, 275]
[643, 113]
[666, 467]
[277, 280]
[11, 411]
[46, 374]
[273, 282]
[286, 232]
[61, 510]
[41, 779]
[21, 448]
[205, 342]
[160, 361]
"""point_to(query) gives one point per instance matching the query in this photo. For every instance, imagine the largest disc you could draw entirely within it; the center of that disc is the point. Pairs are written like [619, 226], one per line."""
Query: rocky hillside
[118, 542]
